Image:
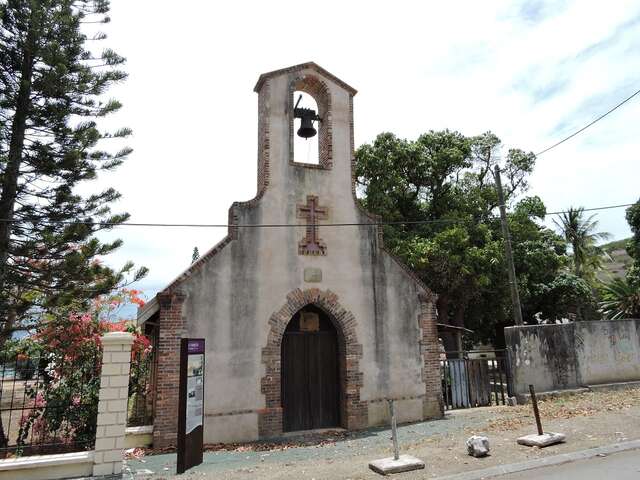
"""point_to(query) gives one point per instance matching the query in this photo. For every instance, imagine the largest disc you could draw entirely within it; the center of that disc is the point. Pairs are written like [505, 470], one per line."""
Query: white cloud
[520, 69]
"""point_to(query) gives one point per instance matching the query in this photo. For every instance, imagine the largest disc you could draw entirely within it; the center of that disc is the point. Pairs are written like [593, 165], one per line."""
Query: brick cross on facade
[311, 244]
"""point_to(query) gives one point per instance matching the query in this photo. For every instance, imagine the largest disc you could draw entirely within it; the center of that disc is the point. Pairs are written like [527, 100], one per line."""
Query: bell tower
[333, 121]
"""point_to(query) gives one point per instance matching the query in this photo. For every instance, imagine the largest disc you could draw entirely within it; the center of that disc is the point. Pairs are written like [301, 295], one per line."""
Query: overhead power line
[588, 125]
[284, 225]
[596, 208]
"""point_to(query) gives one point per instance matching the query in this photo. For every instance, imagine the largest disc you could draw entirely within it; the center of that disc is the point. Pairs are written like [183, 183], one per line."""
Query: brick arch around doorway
[353, 411]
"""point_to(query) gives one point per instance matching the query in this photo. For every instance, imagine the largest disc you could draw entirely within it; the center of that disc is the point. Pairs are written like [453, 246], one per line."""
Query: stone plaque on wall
[312, 275]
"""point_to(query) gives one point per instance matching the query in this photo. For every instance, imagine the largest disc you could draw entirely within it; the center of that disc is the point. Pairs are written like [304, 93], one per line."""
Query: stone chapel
[305, 327]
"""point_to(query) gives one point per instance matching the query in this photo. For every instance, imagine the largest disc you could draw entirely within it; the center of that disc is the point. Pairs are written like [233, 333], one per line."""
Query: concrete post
[112, 405]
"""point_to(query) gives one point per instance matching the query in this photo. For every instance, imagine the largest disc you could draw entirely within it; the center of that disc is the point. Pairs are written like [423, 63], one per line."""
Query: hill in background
[617, 264]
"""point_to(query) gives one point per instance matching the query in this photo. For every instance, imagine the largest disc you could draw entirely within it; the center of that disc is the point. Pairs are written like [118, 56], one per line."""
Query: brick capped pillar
[112, 403]
[433, 406]
[171, 329]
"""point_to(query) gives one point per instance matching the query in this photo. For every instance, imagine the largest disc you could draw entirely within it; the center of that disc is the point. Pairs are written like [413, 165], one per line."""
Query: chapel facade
[305, 327]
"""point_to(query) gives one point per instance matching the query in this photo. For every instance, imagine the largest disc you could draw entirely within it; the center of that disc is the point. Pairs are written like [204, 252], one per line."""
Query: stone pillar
[112, 404]
[171, 330]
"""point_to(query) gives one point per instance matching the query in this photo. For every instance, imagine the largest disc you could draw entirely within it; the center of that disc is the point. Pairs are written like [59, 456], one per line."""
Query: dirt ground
[589, 420]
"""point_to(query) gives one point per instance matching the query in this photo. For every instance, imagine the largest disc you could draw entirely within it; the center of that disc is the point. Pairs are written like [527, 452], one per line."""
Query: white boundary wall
[110, 434]
[574, 355]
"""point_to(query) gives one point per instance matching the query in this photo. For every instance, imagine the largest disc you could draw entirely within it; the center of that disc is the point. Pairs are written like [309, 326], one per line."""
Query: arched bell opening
[314, 151]
[305, 139]
[312, 354]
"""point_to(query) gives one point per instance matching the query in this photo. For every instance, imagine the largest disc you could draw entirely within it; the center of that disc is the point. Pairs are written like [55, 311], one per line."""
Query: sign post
[190, 404]
[398, 463]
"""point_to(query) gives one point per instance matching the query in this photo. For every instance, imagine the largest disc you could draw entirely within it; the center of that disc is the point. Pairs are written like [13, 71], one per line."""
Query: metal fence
[472, 380]
[48, 404]
[142, 376]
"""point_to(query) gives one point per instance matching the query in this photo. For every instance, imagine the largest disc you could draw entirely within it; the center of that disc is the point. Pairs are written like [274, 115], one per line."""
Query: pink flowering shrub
[64, 402]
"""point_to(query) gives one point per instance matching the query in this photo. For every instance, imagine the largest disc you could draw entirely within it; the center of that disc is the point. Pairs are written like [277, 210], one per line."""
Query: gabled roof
[147, 311]
[303, 66]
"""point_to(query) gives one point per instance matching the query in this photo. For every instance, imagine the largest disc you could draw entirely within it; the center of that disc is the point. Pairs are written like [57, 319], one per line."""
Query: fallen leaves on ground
[578, 405]
[320, 439]
[313, 440]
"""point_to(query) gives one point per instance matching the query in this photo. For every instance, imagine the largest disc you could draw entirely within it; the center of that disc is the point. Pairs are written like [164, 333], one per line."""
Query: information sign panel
[191, 403]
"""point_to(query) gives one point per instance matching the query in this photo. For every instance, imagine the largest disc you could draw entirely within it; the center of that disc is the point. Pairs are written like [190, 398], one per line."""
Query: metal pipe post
[536, 413]
[394, 430]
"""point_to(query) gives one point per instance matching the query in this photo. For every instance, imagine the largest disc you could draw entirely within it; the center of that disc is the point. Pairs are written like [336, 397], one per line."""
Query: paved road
[617, 466]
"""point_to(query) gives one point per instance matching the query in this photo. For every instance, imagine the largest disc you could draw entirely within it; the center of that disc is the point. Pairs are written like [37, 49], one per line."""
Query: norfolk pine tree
[52, 87]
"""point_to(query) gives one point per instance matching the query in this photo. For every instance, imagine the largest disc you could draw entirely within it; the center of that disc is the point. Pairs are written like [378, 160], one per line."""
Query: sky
[531, 71]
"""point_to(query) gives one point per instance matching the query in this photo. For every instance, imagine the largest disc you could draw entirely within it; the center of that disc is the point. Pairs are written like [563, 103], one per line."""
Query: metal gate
[475, 379]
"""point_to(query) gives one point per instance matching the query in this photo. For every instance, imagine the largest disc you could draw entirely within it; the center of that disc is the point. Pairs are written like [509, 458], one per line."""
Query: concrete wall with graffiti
[574, 355]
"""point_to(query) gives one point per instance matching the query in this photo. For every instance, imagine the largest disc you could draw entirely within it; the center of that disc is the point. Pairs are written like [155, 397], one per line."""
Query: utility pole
[515, 296]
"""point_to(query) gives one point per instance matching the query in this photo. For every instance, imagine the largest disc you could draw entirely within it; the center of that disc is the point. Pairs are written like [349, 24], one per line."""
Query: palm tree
[620, 299]
[581, 235]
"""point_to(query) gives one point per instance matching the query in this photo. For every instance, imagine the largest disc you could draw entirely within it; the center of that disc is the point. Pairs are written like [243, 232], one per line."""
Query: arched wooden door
[310, 372]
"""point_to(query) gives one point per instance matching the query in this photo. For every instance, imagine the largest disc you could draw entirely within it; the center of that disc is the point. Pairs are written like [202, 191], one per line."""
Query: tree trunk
[11, 173]
[458, 321]
[448, 340]
[14, 158]
[458, 315]
[442, 305]
[8, 327]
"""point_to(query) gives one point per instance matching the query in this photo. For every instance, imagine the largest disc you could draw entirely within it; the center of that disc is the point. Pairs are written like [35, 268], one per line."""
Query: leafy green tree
[445, 179]
[52, 94]
[621, 296]
[546, 292]
[633, 246]
[432, 179]
[195, 255]
[540, 257]
[567, 294]
[620, 299]
[580, 233]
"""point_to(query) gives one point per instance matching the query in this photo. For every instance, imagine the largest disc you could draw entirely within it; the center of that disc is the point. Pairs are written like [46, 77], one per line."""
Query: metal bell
[307, 117]
[306, 129]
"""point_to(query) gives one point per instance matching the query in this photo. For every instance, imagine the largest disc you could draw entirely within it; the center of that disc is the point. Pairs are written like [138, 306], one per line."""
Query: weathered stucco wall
[556, 357]
[230, 297]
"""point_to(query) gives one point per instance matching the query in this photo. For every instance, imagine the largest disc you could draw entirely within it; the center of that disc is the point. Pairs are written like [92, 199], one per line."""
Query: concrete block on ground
[478, 446]
[543, 440]
[404, 463]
